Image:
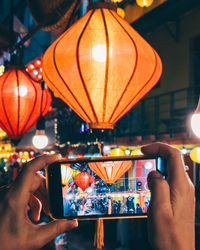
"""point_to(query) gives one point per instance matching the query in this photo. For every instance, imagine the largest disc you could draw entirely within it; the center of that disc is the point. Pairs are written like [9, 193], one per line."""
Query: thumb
[46, 233]
[160, 192]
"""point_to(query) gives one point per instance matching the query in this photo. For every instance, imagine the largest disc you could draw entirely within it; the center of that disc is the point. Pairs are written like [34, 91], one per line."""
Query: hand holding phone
[103, 187]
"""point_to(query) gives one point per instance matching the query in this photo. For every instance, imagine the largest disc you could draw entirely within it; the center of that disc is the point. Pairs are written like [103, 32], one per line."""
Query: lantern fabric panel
[101, 67]
[20, 102]
[64, 82]
[110, 171]
[82, 180]
[66, 173]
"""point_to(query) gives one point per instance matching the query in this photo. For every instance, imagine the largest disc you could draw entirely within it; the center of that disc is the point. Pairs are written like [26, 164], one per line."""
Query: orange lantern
[20, 102]
[110, 171]
[83, 180]
[101, 67]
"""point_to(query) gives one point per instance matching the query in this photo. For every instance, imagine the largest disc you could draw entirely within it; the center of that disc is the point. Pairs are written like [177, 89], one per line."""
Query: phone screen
[113, 188]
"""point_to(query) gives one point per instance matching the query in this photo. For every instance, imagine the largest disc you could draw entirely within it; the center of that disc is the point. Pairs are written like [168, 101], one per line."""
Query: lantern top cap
[101, 5]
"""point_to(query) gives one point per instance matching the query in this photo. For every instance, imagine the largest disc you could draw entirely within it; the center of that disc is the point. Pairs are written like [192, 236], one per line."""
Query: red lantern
[83, 180]
[110, 171]
[20, 102]
[101, 67]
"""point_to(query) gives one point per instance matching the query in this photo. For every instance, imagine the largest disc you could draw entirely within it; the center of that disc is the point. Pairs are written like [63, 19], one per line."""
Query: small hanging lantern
[101, 67]
[144, 3]
[20, 102]
[82, 180]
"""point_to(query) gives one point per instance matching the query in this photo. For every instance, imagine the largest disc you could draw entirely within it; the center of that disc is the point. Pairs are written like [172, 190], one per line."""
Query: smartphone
[101, 187]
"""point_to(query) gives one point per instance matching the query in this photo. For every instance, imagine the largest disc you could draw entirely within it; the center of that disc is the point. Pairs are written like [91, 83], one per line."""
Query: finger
[42, 194]
[41, 162]
[160, 203]
[175, 165]
[46, 233]
[36, 207]
[25, 180]
[17, 191]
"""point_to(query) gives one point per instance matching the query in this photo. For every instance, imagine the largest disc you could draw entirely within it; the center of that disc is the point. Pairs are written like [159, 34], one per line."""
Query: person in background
[170, 215]
[138, 209]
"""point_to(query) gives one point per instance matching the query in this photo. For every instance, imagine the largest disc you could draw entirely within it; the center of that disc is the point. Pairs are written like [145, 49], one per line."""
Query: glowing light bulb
[195, 124]
[21, 90]
[106, 149]
[99, 52]
[148, 165]
[40, 140]
[127, 151]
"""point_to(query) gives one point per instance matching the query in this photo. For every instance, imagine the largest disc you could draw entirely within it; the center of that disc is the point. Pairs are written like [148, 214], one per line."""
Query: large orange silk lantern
[101, 66]
[83, 180]
[111, 171]
[20, 102]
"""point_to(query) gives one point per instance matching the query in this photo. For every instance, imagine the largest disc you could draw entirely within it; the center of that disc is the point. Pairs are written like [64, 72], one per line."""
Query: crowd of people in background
[102, 206]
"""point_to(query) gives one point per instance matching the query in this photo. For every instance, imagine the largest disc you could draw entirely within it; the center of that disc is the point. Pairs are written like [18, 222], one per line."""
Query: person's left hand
[28, 191]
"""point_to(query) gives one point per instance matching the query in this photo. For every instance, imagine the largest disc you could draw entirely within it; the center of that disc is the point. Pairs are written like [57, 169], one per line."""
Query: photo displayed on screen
[106, 188]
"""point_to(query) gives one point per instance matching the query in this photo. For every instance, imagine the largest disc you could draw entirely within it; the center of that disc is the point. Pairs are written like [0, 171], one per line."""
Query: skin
[172, 208]
[28, 191]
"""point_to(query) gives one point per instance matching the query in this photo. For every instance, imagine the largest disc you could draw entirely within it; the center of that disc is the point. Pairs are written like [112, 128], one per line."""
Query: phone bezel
[55, 188]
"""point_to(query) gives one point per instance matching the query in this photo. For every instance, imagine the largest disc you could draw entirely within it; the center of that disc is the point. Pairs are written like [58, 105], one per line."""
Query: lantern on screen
[83, 180]
[20, 102]
[66, 173]
[103, 60]
[110, 171]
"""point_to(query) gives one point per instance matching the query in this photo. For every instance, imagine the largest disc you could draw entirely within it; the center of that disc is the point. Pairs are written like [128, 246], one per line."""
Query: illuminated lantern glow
[195, 155]
[20, 102]
[121, 12]
[117, 152]
[110, 171]
[195, 120]
[82, 180]
[136, 152]
[66, 173]
[105, 61]
[144, 3]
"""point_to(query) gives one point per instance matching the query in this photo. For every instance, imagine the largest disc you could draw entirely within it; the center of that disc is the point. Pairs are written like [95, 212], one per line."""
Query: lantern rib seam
[58, 72]
[57, 89]
[116, 174]
[18, 102]
[26, 124]
[101, 171]
[134, 69]
[79, 69]
[119, 115]
[107, 65]
[4, 105]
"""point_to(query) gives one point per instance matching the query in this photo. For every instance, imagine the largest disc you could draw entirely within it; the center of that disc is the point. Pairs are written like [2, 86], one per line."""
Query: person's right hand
[172, 207]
